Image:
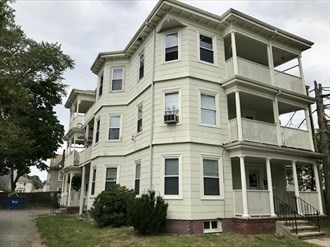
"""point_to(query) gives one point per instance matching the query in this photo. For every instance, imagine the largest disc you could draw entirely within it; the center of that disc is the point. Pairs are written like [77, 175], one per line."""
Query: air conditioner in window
[171, 118]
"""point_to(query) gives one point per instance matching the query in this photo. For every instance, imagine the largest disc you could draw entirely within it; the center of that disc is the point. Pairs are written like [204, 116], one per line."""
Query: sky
[85, 28]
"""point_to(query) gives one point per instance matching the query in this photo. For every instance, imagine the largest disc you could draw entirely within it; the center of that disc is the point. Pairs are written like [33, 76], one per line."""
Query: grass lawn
[70, 231]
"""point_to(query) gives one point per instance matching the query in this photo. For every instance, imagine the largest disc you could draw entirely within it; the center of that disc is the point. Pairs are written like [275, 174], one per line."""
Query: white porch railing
[311, 197]
[85, 155]
[289, 82]
[258, 202]
[63, 199]
[75, 199]
[253, 70]
[72, 159]
[295, 138]
[259, 131]
[77, 121]
[233, 129]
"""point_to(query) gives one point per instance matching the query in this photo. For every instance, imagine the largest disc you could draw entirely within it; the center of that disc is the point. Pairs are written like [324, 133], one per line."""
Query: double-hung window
[206, 53]
[141, 68]
[139, 119]
[171, 103]
[211, 178]
[111, 177]
[208, 109]
[137, 178]
[97, 134]
[117, 79]
[93, 182]
[171, 176]
[114, 127]
[171, 46]
[101, 86]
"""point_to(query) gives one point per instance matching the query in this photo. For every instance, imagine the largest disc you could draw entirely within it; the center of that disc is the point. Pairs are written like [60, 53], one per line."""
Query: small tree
[110, 206]
[147, 214]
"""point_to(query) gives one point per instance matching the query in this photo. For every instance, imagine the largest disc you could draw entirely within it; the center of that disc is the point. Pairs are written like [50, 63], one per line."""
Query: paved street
[18, 228]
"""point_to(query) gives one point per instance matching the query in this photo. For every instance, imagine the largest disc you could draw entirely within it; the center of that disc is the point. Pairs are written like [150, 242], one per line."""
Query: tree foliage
[31, 75]
[37, 183]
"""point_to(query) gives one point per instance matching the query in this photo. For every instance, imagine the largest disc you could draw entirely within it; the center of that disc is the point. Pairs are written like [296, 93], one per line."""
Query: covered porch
[70, 196]
[258, 181]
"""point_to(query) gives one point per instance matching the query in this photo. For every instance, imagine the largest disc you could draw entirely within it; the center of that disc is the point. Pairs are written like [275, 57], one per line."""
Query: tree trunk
[12, 183]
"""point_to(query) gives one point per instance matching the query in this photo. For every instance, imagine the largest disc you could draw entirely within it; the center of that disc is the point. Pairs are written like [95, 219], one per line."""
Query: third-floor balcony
[263, 63]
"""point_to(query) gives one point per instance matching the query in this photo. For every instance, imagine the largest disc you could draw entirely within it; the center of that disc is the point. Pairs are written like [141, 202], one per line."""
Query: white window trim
[162, 176]
[105, 173]
[137, 118]
[137, 162]
[179, 46]
[217, 108]
[144, 64]
[214, 45]
[120, 126]
[99, 84]
[111, 76]
[218, 229]
[91, 181]
[95, 124]
[221, 181]
[59, 175]
[167, 91]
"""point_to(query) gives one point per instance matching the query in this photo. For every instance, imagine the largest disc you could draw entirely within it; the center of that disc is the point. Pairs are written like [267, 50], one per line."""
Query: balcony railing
[85, 155]
[72, 159]
[77, 121]
[262, 73]
[262, 132]
[295, 138]
[311, 197]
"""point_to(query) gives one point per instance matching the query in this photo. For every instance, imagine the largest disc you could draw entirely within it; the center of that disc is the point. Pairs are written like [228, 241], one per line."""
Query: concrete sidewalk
[325, 242]
[18, 227]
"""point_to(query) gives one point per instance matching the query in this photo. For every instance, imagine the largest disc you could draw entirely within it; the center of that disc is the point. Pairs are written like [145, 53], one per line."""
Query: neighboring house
[190, 109]
[24, 185]
[55, 174]
[5, 183]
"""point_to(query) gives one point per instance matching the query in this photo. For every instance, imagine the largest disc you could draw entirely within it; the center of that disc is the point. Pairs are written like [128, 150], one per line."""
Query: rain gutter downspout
[152, 111]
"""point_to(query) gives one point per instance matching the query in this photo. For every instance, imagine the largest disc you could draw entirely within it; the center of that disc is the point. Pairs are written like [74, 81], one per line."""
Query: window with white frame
[111, 177]
[117, 80]
[171, 176]
[139, 118]
[101, 85]
[59, 188]
[212, 226]
[60, 176]
[137, 178]
[141, 67]
[93, 181]
[206, 49]
[208, 109]
[171, 103]
[97, 133]
[171, 46]
[211, 178]
[114, 127]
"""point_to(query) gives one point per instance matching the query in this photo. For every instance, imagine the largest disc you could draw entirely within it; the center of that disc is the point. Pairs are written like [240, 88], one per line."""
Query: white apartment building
[191, 109]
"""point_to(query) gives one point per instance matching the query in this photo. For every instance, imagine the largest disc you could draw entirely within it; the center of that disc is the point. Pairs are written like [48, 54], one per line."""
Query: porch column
[295, 182]
[238, 116]
[270, 187]
[233, 47]
[277, 121]
[86, 136]
[318, 188]
[82, 191]
[66, 189]
[309, 129]
[69, 193]
[301, 74]
[271, 63]
[243, 182]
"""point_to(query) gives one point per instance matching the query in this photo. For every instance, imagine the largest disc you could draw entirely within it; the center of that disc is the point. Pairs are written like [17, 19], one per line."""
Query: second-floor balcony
[263, 63]
[262, 120]
[85, 155]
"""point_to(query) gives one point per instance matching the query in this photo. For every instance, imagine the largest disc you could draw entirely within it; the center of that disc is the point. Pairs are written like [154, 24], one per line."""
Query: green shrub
[147, 214]
[110, 207]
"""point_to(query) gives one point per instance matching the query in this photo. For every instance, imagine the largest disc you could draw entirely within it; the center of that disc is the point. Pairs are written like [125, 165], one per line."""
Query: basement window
[212, 226]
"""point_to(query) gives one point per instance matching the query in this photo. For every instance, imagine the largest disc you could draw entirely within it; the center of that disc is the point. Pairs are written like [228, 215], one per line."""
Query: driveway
[18, 227]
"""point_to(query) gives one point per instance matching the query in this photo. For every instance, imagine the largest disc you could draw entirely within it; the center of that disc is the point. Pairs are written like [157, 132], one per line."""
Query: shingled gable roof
[163, 7]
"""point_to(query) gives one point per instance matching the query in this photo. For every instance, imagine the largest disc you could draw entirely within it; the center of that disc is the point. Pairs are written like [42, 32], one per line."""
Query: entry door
[253, 179]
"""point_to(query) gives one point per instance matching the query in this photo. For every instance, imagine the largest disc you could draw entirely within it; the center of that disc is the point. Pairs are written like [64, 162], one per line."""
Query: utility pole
[324, 140]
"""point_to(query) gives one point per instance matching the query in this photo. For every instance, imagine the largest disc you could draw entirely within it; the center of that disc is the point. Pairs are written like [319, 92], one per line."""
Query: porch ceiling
[251, 101]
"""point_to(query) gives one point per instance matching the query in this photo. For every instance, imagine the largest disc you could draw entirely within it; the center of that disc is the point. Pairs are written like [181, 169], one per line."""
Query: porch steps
[305, 230]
